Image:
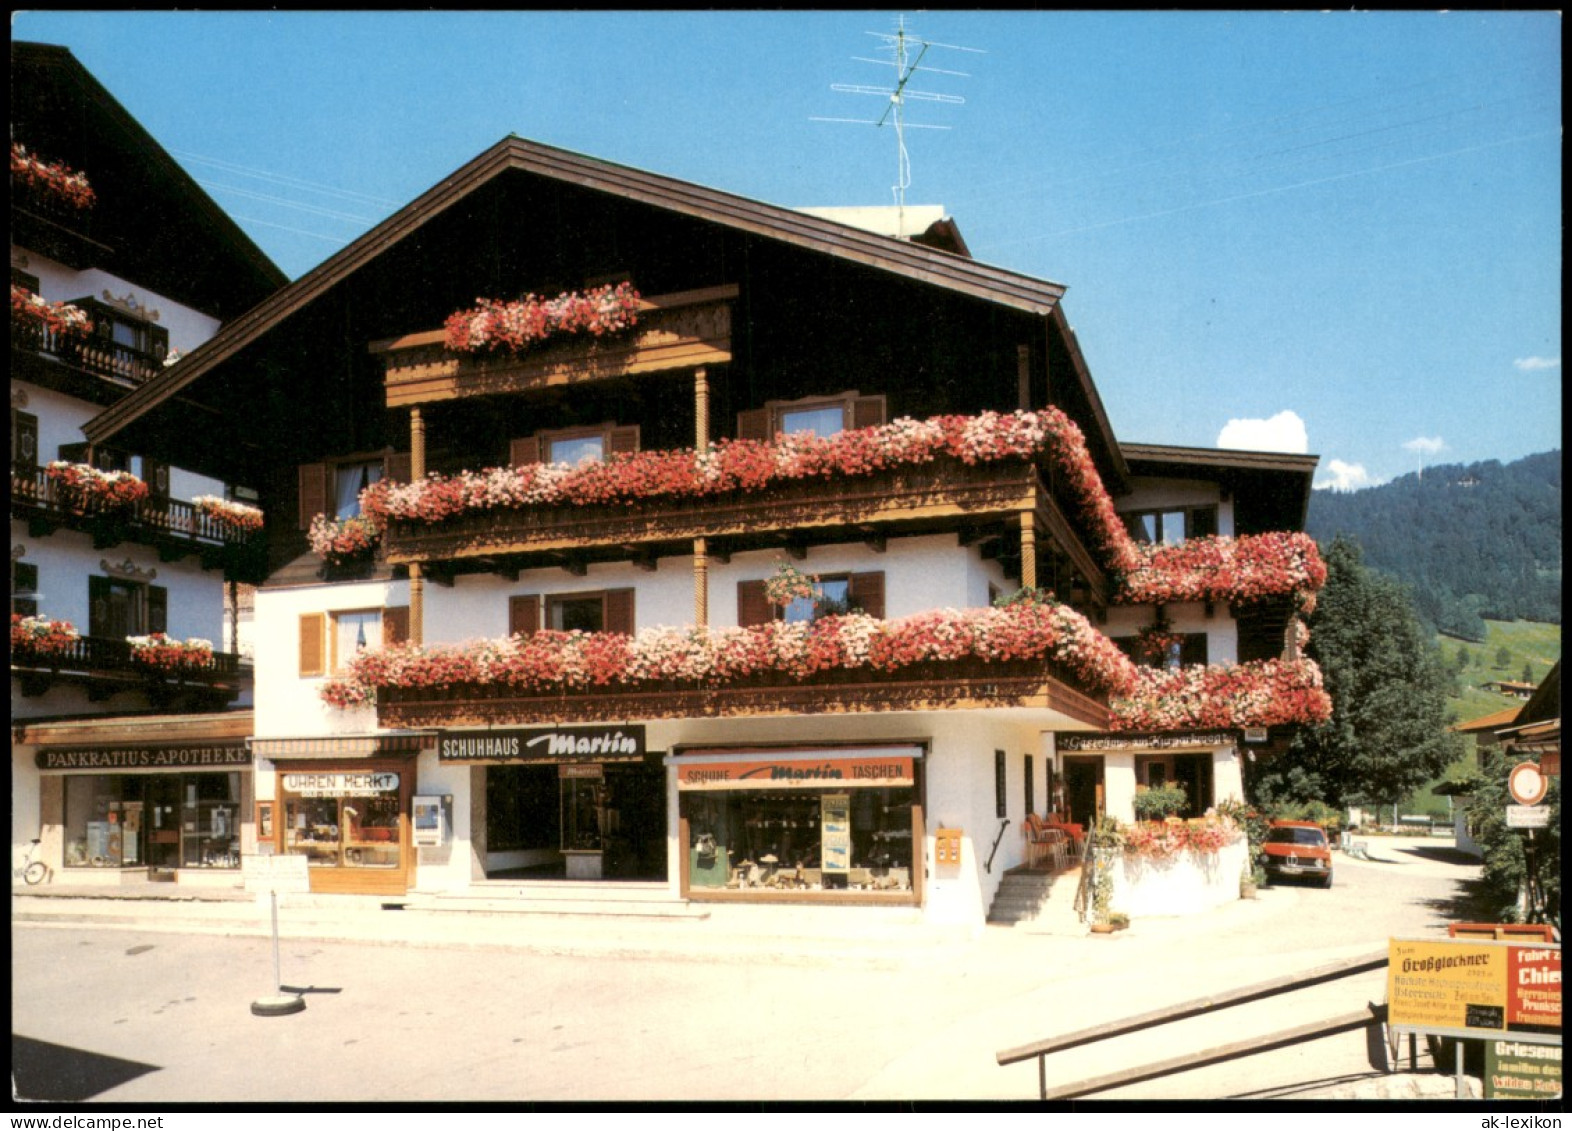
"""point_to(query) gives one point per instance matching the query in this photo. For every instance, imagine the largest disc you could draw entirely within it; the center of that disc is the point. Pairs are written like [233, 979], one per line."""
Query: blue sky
[1327, 232]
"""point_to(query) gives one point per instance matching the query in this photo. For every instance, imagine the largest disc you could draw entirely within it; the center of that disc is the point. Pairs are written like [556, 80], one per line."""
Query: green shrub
[1160, 802]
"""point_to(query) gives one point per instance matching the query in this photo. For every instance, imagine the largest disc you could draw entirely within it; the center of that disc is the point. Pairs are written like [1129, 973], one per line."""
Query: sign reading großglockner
[544, 744]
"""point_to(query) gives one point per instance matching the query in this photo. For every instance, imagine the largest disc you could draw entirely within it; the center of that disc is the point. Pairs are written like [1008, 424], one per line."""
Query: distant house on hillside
[1515, 688]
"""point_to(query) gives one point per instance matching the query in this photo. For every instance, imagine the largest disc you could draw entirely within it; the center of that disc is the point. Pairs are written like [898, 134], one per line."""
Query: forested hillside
[1471, 541]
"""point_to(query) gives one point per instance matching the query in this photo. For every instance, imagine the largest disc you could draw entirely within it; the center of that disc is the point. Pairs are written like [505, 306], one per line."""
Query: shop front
[165, 811]
[572, 802]
[1103, 773]
[822, 824]
[345, 804]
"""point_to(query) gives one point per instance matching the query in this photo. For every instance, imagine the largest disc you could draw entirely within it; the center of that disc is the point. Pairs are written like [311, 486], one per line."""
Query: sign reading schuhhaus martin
[547, 744]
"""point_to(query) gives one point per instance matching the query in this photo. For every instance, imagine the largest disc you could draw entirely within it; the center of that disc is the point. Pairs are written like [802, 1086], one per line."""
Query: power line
[280, 178]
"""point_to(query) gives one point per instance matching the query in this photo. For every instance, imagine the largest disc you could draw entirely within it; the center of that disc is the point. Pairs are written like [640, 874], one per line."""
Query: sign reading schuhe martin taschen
[544, 744]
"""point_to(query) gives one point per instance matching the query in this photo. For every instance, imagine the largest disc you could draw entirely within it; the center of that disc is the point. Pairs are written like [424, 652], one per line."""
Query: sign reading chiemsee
[548, 744]
[1463, 987]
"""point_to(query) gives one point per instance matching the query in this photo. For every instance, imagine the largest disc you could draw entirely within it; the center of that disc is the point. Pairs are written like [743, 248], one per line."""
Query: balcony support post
[701, 409]
[1028, 550]
[417, 581]
[1023, 377]
[701, 584]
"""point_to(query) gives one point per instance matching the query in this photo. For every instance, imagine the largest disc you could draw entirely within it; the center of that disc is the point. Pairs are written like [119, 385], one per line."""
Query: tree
[1528, 672]
[1503, 657]
[1388, 734]
[1462, 659]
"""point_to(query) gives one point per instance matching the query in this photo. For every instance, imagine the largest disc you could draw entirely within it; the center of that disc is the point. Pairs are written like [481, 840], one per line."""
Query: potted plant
[1247, 884]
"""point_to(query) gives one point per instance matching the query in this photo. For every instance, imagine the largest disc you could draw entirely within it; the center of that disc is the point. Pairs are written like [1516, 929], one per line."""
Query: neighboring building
[1515, 688]
[119, 263]
[1529, 731]
[670, 693]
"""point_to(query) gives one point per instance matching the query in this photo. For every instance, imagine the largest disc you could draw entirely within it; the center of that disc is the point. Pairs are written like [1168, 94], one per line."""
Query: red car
[1297, 849]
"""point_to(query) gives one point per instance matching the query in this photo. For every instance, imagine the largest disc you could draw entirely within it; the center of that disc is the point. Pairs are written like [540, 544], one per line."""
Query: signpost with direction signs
[1528, 785]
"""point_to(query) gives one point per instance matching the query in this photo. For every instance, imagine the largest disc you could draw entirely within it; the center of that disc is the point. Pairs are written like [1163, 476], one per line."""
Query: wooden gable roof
[469, 190]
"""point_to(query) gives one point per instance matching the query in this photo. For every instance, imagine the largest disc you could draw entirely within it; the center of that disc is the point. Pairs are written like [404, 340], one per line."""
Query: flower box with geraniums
[344, 541]
[512, 327]
[235, 519]
[39, 638]
[82, 486]
[162, 653]
[34, 316]
[1177, 867]
[50, 178]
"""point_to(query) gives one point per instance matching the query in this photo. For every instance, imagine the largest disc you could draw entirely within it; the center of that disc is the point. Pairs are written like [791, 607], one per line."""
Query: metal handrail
[109, 653]
[1004, 824]
[1194, 1008]
[165, 517]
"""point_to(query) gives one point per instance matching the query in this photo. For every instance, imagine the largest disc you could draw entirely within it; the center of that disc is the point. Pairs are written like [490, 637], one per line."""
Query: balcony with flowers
[80, 336]
[46, 653]
[117, 506]
[52, 207]
[1031, 654]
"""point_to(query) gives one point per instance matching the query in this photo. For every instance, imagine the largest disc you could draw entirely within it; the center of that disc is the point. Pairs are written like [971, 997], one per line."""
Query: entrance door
[160, 820]
[1083, 788]
[1193, 774]
[636, 838]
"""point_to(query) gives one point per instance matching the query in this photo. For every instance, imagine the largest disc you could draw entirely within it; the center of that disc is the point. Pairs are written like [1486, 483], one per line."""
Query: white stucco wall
[58, 283]
[1148, 494]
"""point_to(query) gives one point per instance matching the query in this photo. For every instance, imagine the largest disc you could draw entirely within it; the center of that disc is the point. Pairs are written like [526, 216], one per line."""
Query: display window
[828, 826]
[152, 820]
[343, 820]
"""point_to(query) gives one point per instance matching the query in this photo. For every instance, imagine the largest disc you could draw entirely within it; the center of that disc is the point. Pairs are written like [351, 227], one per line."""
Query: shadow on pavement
[45, 1072]
[1469, 902]
[1442, 855]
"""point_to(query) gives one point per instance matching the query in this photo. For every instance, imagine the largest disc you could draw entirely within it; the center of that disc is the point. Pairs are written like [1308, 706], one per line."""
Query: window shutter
[395, 625]
[1193, 649]
[523, 615]
[619, 611]
[524, 451]
[98, 606]
[867, 412]
[753, 606]
[754, 424]
[313, 643]
[624, 438]
[156, 476]
[313, 492]
[157, 608]
[24, 440]
[158, 341]
[399, 467]
[1203, 522]
[865, 591]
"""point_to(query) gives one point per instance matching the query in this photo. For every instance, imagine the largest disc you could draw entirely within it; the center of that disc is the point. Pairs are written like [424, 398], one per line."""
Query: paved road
[487, 1008]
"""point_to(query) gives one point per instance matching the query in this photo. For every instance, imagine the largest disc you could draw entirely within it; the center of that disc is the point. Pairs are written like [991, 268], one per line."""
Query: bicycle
[33, 871]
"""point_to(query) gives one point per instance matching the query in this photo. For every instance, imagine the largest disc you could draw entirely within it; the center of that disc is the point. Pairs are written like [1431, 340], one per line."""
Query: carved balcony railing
[945, 495]
[676, 331]
[954, 685]
[94, 355]
[175, 528]
[107, 665]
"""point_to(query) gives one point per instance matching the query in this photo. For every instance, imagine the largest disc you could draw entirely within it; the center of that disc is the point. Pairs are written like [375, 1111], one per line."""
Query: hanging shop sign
[1470, 988]
[1071, 743]
[341, 785]
[798, 773]
[544, 744]
[144, 757]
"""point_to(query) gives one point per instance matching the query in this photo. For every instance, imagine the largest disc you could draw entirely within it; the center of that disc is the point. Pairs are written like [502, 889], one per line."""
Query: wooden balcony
[971, 685]
[176, 529]
[677, 331]
[94, 356]
[105, 666]
[944, 496]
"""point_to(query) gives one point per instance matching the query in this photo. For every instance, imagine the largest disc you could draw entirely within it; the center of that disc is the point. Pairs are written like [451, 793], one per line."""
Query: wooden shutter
[399, 467]
[523, 615]
[754, 424]
[158, 341]
[622, 439]
[618, 615]
[1193, 649]
[156, 476]
[313, 643]
[157, 608]
[395, 625]
[24, 440]
[314, 493]
[524, 451]
[867, 412]
[753, 606]
[98, 606]
[865, 591]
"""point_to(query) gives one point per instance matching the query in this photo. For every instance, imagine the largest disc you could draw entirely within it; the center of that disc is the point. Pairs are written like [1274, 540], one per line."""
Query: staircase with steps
[1042, 902]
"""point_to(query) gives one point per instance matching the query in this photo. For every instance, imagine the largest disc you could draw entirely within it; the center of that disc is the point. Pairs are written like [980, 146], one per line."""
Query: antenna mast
[900, 47]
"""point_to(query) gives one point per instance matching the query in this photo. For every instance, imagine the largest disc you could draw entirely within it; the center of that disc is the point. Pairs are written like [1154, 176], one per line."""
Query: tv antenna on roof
[901, 47]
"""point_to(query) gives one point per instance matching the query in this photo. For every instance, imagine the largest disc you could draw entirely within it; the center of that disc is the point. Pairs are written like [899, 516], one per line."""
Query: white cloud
[1341, 476]
[1530, 364]
[1284, 432]
[1425, 445]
